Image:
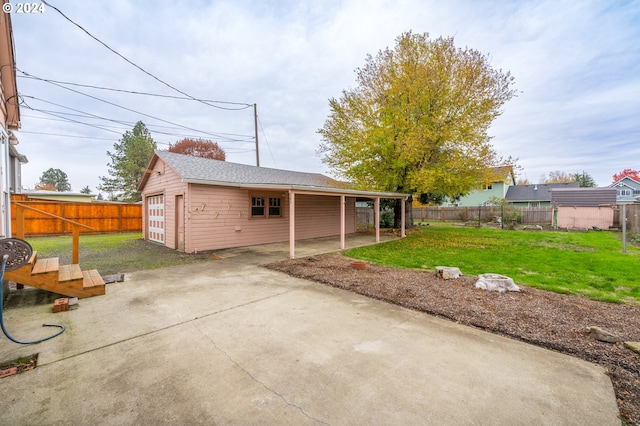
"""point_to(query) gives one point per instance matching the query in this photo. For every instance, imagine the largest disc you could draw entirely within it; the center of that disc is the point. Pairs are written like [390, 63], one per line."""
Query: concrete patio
[230, 342]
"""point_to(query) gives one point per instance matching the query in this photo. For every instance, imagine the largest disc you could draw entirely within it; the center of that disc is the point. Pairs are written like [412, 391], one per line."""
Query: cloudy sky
[576, 65]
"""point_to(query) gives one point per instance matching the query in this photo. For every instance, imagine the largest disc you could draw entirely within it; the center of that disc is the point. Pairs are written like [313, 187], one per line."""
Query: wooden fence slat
[103, 217]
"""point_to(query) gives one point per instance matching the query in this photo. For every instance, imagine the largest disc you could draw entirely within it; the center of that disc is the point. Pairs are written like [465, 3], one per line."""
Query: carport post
[342, 220]
[292, 224]
[376, 217]
[402, 219]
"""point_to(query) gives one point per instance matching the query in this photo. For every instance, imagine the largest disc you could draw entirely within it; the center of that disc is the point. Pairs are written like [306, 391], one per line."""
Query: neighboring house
[503, 179]
[584, 207]
[194, 204]
[16, 160]
[9, 121]
[537, 195]
[628, 190]
[59, 196]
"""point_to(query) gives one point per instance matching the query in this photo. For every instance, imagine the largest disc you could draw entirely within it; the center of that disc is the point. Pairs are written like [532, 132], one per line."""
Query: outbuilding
[196, 204]
[584, 207]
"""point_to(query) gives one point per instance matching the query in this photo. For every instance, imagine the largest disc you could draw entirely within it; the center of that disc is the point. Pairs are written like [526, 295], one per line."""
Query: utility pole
[255, 122]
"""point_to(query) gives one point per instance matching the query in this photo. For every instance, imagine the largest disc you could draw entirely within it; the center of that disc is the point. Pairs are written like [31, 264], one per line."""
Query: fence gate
[155, 218]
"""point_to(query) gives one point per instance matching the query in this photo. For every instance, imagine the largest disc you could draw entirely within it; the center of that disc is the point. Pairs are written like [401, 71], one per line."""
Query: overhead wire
[266, 141]
[65, 136]
[127, 60]
[133, 92]
[210, 134]
[155, 131]
[128, 124]
[188, 96]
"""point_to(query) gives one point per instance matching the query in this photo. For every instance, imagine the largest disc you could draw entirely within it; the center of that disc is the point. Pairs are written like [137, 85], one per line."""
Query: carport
[375, 196]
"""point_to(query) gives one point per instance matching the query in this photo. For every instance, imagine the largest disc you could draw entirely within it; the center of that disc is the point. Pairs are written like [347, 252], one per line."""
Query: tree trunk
[408, 213]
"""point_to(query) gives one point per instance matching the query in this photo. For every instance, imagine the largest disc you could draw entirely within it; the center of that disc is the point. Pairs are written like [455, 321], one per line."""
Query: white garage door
[155, 215]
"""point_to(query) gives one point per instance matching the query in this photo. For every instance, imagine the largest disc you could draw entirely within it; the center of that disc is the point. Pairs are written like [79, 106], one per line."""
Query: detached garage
[195, 204]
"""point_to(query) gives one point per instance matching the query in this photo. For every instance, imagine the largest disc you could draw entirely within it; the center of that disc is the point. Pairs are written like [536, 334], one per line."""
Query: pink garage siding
[585, 217]
[166, 182]
[220, 217]
[215, 217]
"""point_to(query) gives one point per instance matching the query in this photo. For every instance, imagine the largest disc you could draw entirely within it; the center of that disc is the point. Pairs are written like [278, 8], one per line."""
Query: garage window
[257, 206]
[266, 206]
[274, 207]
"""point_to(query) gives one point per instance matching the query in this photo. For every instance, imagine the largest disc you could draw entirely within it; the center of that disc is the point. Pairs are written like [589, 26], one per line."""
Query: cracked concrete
[229, 342]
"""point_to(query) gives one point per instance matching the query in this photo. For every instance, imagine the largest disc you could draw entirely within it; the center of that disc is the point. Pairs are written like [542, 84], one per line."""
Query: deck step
[69, 273]
[33, 258]
[93, 284]
[42, 266]
[92, 278]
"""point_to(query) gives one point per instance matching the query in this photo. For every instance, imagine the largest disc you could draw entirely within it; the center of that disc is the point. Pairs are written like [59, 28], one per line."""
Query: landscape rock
[448, 272]
[496, 282]
[633, 346]
[602, 335]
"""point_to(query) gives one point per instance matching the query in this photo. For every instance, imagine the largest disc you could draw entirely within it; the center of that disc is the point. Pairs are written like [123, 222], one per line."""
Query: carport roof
[205, 171]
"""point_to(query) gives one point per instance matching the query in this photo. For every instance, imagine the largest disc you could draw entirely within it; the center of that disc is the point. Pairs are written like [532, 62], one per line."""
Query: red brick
[61, 305]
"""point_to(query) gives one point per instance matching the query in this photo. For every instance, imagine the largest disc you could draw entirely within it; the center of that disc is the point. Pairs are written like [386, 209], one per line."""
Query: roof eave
[298, 188]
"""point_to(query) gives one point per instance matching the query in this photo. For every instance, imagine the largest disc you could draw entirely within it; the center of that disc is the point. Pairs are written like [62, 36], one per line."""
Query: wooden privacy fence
[633, 218]
[97, 218]
[524, 215]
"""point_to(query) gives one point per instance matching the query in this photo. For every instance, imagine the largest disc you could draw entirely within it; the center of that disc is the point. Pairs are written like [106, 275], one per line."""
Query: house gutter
[312, 190]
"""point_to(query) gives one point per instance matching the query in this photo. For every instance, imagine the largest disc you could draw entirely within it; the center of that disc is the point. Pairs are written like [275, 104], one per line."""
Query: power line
[67, 119]
[128, 125]
[138, 112]
[133, 92]
[265, 139]
[66, 136]
[127, 60]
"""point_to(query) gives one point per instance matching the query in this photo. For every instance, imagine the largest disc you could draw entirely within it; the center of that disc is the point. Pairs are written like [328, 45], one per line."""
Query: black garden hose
[24, 253]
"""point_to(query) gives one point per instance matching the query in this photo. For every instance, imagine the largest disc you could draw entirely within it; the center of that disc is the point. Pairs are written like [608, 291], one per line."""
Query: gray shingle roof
[538, 192]
[195, 169]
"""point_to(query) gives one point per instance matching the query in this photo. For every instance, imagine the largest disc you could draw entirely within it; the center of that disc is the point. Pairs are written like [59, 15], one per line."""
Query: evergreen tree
[54, 179]
[128, 162]
[585, 180]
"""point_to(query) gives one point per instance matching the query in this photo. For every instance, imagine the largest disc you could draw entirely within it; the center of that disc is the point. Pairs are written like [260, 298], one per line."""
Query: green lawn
[114, 253]
[591, 264]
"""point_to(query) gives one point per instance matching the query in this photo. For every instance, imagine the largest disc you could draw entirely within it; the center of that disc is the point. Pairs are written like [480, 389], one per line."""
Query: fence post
[63, 227]
[19, 222]
[75, 256]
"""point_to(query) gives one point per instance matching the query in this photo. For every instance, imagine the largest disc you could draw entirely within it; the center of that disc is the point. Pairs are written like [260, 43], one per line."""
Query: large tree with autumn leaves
[633, 174]
[203, 148]
[418, 119]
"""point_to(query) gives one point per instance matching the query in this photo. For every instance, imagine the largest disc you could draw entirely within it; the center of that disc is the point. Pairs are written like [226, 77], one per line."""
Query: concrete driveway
[230, 342]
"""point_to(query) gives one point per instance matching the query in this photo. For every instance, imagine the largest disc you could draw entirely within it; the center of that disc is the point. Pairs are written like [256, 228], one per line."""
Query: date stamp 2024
[27, 8]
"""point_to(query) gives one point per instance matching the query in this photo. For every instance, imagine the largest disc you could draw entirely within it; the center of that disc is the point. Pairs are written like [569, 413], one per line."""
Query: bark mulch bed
[550, 320]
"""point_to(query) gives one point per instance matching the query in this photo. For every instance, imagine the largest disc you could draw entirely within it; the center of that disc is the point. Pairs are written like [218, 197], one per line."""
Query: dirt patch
[550, 320]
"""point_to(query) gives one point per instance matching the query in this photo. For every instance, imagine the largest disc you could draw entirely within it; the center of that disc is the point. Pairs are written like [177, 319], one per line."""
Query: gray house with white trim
[628, 190]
